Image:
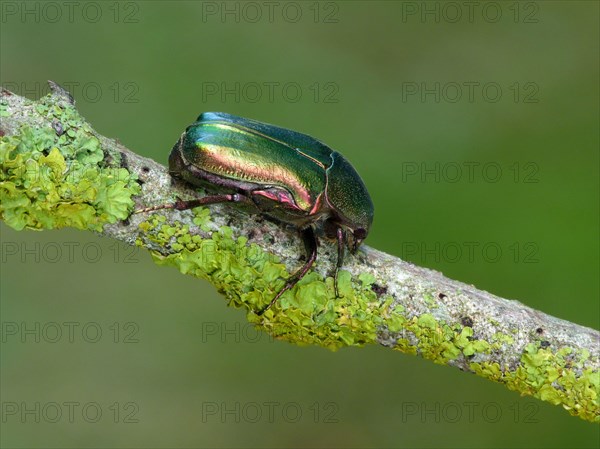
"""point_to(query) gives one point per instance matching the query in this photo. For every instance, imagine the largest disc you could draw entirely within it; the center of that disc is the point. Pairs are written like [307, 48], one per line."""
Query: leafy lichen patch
[249, 277]
[558, 377]
[53, 177]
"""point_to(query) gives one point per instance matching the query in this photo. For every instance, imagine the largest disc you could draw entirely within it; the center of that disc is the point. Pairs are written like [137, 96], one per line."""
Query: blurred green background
[411, 93]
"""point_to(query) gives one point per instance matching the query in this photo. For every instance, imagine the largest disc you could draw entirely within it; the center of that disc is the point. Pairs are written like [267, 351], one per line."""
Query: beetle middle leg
[310, 242]
[335, 232]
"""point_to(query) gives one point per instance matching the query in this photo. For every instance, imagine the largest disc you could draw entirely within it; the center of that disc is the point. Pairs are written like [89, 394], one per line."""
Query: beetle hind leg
[310, 241]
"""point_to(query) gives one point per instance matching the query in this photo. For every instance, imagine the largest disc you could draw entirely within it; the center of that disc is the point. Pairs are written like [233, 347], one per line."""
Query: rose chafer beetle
[282, 174]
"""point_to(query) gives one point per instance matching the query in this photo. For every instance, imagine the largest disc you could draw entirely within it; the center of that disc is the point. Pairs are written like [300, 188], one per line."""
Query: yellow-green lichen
[430, 300]
[53, 177]
[558, 377]
[439, 342]
[499, 340]
[250, 277]
[309, 313]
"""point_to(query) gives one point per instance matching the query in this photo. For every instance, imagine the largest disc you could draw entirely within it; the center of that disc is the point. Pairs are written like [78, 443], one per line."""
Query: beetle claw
[154, 208]
[180, 204]
[287, 286]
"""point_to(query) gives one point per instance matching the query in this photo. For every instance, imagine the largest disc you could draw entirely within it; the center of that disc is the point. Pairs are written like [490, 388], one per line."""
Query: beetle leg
[190, 204]
[310, 241]
[212, 199]
[341, 241]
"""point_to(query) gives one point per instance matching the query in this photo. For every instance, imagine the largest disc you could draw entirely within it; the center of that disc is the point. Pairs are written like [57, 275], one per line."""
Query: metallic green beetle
[282, 174]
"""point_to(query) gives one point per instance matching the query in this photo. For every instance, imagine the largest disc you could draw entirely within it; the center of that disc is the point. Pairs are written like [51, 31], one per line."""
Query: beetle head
[349, 202]
[352, 237]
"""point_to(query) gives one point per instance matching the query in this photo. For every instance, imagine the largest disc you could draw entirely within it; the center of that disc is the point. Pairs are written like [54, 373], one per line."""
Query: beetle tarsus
[287, 286]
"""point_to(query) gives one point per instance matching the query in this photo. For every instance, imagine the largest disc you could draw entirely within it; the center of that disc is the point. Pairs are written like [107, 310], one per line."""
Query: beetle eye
[360, 234]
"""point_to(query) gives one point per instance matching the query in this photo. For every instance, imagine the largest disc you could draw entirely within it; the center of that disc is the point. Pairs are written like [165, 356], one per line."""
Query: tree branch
[57, 171]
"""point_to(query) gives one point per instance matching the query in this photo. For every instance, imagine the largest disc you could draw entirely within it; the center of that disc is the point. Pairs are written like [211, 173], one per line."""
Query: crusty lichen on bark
[56, 171]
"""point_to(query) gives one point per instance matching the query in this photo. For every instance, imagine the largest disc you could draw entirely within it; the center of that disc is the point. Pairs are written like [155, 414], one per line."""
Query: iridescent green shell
[291, 176]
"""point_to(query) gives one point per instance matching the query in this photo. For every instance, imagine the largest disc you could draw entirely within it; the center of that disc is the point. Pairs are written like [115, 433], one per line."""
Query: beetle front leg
[341, 241]
[190, 204]
[310, 241]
